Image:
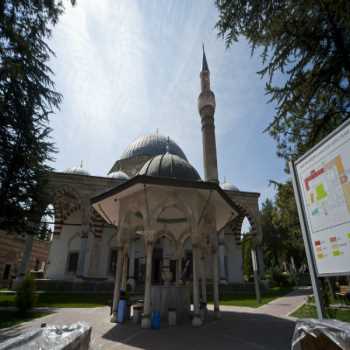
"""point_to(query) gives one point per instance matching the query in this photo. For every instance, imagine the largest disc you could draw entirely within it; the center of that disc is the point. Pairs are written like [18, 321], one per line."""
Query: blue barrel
[121, 311]
[155, 320]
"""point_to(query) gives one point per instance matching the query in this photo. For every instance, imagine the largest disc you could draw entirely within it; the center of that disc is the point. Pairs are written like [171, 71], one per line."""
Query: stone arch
[165, 234]
[184, 236]
[71, 239]
[113, 236]
[66, 201]
[177, 203]
[97, 223]
[236, 224]
[162, 235]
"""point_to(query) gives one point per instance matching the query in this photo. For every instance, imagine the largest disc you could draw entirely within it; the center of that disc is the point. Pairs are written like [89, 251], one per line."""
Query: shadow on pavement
[235, 330]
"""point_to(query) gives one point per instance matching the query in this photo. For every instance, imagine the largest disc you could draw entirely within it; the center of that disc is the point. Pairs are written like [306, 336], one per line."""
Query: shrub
[280, 278]
[25, 295]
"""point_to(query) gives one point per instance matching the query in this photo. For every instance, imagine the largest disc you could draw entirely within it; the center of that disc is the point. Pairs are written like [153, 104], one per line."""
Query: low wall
[88, 286]
[49, 285]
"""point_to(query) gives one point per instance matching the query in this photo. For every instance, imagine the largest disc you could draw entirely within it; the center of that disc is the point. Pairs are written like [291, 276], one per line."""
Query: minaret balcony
[206, 101]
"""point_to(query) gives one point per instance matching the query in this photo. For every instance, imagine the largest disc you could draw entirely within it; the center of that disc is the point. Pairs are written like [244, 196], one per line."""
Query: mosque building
[154, 181]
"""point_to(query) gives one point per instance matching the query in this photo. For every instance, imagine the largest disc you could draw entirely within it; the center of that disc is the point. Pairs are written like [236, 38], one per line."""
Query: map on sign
[328, 192]
[324, 178]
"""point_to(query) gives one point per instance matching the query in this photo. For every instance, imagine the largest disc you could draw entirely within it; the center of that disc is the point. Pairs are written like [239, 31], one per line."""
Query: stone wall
[11, 250]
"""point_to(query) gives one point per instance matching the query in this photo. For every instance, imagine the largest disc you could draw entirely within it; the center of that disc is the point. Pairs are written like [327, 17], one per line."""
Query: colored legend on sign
[337, 253]
[319, 250]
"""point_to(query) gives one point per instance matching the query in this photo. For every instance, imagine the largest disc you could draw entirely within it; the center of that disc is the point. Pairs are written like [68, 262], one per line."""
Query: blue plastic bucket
[121, 311]
[155, 320]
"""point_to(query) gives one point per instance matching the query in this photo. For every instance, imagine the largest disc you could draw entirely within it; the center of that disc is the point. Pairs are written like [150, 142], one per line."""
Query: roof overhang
[107, 204]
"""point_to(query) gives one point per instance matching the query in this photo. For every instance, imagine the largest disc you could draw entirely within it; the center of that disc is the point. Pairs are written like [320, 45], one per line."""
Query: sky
[128, 68]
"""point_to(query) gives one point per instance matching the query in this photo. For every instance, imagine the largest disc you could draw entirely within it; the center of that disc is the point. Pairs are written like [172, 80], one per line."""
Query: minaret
[206, 108]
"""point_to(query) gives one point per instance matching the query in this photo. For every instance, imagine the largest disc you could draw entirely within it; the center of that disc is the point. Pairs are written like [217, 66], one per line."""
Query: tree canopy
[282, 238]
[309, 42]
[27, 99]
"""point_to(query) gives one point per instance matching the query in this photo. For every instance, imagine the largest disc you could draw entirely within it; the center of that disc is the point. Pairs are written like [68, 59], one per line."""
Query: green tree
[309, 42]
[27, 99]
[282, 238]
[271, 244]
[286, 217]
[26, 297]
[247, 256]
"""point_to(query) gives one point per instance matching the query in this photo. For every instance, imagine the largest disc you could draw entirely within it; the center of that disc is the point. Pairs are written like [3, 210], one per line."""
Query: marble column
[178, 271]
[82, 251]
[146, 317]
[216, 282]
[125, 269]
[196, 321]
[117, 283]
[166, 274]
[223, 278]
[84, 237]
[203, 278]
[131, 276]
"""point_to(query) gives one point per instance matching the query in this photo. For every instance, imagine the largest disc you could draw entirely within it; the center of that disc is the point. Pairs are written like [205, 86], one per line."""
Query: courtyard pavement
[267, 327]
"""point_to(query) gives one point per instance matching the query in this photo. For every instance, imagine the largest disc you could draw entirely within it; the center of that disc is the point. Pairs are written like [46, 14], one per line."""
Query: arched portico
[173, 211]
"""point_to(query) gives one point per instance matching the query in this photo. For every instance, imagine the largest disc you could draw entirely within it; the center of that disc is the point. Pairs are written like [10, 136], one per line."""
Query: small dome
[152, 145]
[229, 187]
[76, 170]
[120, 175]
[170, 165]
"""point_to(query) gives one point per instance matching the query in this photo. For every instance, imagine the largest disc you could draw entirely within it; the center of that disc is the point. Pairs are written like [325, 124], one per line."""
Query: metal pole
[256, 276]
[304, 229]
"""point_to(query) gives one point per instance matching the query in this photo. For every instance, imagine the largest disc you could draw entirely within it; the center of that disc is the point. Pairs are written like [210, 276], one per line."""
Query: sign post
[312, 270]
[321, 182]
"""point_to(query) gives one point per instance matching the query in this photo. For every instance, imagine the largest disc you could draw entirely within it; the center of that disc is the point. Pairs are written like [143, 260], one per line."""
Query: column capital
[221, 238]
[84, 234]
[197, 240]
[149, 237]
[179, 252]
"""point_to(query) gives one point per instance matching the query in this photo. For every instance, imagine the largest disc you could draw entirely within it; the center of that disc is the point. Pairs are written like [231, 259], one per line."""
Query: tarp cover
[74, 336]
[331, 331]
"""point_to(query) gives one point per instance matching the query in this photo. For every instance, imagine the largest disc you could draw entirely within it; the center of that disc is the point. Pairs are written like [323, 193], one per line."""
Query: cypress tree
[27, 99]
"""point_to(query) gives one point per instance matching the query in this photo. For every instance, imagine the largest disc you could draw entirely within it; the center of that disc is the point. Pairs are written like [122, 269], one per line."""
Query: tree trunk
[27, 254]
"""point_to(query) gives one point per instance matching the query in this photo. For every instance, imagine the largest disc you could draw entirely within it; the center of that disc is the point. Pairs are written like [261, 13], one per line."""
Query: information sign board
[324, 179]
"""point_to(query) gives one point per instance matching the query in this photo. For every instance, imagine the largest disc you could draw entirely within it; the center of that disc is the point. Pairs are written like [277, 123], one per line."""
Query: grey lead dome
[227, 186]
[120, 175]
[77, 171]
[170, 165]
[152, 145]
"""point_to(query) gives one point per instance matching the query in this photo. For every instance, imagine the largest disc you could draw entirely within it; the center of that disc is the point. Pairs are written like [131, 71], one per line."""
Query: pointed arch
[66, 201]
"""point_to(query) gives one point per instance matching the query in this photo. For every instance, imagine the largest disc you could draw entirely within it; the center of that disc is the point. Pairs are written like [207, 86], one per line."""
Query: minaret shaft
[206, 108]
[209, 149]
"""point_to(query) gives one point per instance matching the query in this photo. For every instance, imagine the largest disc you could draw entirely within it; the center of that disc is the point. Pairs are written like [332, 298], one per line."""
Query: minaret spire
[206, 109]
[204, 61]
